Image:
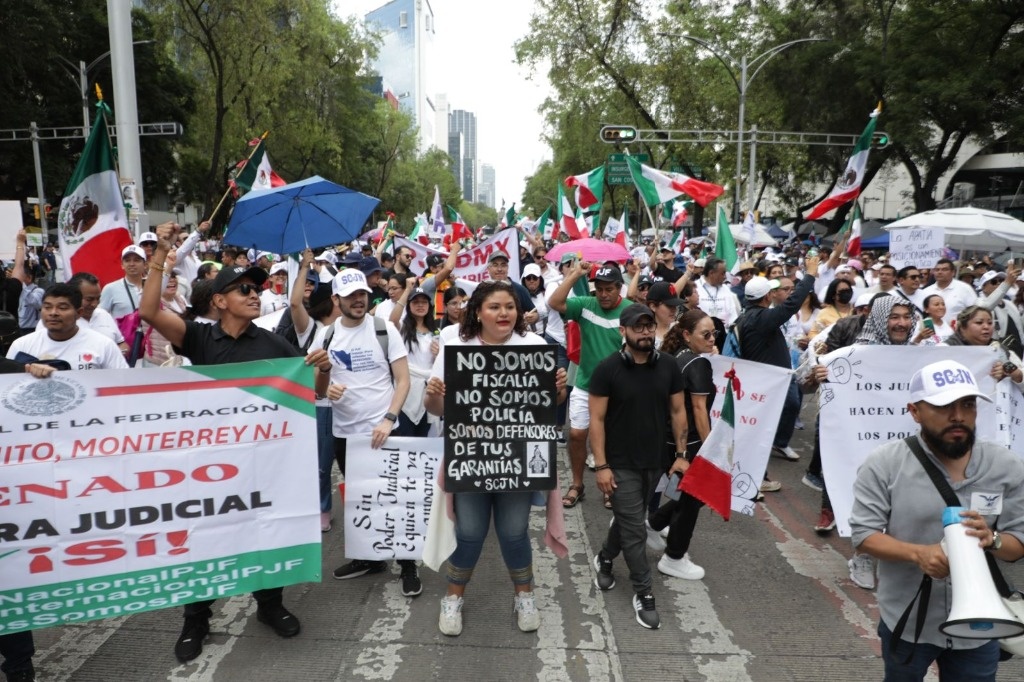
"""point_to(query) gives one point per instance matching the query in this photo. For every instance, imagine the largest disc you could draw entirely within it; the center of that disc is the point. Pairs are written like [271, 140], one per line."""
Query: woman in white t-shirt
[493, 317]
[419, 330]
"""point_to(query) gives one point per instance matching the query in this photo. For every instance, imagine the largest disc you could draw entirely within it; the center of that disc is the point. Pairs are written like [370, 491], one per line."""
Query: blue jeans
[955, 665]
[325, 450]
[406, 429]
[511, 523]
[790, 411]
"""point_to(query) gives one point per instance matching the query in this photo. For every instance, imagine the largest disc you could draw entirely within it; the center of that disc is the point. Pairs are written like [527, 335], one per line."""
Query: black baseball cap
[434, 260]
[227, 276]
[664, 292]
[608, 274]
[634, 314]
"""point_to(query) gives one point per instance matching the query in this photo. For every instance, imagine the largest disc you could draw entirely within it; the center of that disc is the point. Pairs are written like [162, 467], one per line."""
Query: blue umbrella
[310, 213]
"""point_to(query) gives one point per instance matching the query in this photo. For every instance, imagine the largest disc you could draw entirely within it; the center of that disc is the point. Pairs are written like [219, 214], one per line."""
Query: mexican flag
[419, 232]
[709, 477]
[589, 189]
[677, 242]
[509, 218]
[92, 226]
[255, 173]
[459, 229]
[583, 223]
[657, 187]
[566, 216]
[848, 187]
[546, 227]
[725, 245]
[680, 212]
[853, 225]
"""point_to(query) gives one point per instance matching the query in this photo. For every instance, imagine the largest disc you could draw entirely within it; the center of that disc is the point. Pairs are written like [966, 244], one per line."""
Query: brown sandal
[573, 496]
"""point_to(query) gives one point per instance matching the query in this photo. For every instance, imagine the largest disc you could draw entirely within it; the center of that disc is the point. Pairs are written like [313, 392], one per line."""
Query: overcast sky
[475, 66]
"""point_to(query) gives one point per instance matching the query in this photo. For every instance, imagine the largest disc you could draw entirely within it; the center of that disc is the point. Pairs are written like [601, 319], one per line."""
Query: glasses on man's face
[644, 287]
[531, 277]
[644, 327]
[913, 276]
[244, 289]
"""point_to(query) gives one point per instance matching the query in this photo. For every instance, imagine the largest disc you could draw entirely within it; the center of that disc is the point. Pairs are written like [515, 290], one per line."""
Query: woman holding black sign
[690, 340]
[493, 317]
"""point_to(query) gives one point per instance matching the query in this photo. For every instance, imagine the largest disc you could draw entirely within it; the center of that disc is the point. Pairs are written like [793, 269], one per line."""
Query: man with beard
[632, 395]
[898, 517]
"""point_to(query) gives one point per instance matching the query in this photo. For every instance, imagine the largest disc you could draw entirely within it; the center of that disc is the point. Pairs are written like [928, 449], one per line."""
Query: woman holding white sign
[493, 317]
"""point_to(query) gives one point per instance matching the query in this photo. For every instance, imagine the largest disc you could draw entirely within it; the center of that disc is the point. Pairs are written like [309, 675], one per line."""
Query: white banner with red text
[124, 491]
[472, 263]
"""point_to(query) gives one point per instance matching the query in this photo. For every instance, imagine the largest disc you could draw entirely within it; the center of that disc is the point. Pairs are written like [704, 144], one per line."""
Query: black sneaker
[190, 642]
[412, 586]
[358, 568]
[27, 675]
[646, 614]
[603, 578]
[279, 619]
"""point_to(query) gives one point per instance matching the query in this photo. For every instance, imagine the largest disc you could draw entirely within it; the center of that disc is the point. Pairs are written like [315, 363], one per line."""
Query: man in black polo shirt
[234, 338]
[633, 394]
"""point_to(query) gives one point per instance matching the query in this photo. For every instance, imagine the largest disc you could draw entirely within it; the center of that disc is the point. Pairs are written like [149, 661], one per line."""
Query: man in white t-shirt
[90, 315]
[63, 339]
[367, 388]
[715, 297]
[957, 295]
[121, 297]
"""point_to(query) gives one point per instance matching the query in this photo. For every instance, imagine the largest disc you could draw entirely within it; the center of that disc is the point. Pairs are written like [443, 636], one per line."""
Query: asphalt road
[776, 604]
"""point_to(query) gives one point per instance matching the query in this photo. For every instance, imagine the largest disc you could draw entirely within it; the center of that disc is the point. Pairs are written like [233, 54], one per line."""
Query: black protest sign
[499, 418]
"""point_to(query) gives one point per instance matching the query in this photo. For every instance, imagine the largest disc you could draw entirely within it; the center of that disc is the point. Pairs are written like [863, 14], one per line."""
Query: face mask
[845, 296]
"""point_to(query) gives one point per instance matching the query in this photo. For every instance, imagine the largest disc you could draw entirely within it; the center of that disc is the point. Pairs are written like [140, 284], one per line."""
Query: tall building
[455, 147]
[486, 194]
[406, 29]
[465, 122]
[441, 111]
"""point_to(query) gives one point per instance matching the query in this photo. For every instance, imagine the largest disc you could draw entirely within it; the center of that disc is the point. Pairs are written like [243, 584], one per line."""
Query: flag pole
[220, 203]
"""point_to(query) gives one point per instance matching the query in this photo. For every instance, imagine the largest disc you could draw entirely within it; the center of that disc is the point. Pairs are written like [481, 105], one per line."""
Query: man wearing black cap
[234, 338]
[666, 270]
[598, 320]
[371, 267]
[633, 394]
[497, 269]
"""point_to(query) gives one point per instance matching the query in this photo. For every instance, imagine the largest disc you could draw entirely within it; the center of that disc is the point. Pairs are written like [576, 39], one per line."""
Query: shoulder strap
[381, 327]
[328, 336]
[933, 472]
[129, 292]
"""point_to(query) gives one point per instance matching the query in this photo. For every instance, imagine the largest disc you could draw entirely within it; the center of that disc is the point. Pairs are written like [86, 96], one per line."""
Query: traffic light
[618, 134]
[880, 140]
[49, 212]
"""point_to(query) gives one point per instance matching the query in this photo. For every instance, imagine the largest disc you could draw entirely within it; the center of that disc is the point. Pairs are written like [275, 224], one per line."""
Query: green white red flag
[546, 227]
[680, 212]
[566, 216]
[255, 173]
[657, 187]
[617, 230]
[677, 242]
[583, 223]
[92, 225]
[709, 477]
[459, 229]
[589, 189]
[419, 231]
[853, 225]
[848, 187]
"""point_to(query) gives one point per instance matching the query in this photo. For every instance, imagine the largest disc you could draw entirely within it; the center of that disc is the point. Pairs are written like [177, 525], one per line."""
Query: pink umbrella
[592, 250]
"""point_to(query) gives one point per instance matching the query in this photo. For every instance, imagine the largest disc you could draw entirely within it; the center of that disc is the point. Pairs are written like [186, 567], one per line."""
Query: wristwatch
[997, 542]
[392, 417]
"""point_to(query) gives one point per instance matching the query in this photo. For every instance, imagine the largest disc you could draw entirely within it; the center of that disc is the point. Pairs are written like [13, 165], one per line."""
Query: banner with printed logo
[124, 491]
[472, 263]
[389, 496]
[758, 404]
[864, 404]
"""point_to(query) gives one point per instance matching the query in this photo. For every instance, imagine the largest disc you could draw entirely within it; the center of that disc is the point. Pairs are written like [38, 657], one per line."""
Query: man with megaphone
[897, 517]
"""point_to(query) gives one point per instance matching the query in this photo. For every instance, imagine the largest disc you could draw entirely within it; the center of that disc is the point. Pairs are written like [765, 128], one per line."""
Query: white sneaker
[664, 532]
[862, 571]
[450, 621]
[654, 539]
[527, 616]
[786, 453]
[680, 568]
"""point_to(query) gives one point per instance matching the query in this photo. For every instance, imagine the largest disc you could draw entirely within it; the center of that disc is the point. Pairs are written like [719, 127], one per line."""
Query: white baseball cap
[132, 249]
[328, 257]
[349, 281]
[944, 382]
[147, 237]
[278, 267]
[758, 287]
[531, 269]
[991, 275]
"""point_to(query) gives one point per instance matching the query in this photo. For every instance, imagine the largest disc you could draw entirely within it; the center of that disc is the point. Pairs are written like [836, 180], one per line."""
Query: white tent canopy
[969, 227]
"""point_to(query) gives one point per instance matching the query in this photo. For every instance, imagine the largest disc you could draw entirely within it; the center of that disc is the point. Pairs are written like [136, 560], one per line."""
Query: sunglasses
[913, 276]
[244, 289]
[706, 335]
[531, 277]
[641, 327]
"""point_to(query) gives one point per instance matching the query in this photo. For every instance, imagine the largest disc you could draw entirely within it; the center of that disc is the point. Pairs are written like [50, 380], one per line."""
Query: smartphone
[672, 491]
[928, 322]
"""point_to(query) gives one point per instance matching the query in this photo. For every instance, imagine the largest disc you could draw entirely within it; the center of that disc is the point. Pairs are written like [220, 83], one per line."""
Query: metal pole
[739, 139]
[39, 178]
[83, 80]
[122, 60]
[751, 184]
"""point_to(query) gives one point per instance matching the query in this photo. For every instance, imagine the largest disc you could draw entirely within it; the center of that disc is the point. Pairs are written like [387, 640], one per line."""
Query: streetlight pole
[742, 82]
[80, 74]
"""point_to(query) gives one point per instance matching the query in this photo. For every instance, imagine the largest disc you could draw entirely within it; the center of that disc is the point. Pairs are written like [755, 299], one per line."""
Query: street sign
[618, 169]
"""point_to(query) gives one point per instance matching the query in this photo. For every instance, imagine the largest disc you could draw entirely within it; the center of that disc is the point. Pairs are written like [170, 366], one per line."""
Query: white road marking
[77, 644]
[381, 662]
[230, 616]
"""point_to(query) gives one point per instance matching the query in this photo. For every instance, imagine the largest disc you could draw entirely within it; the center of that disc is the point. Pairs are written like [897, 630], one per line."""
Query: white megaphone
[978, 612]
